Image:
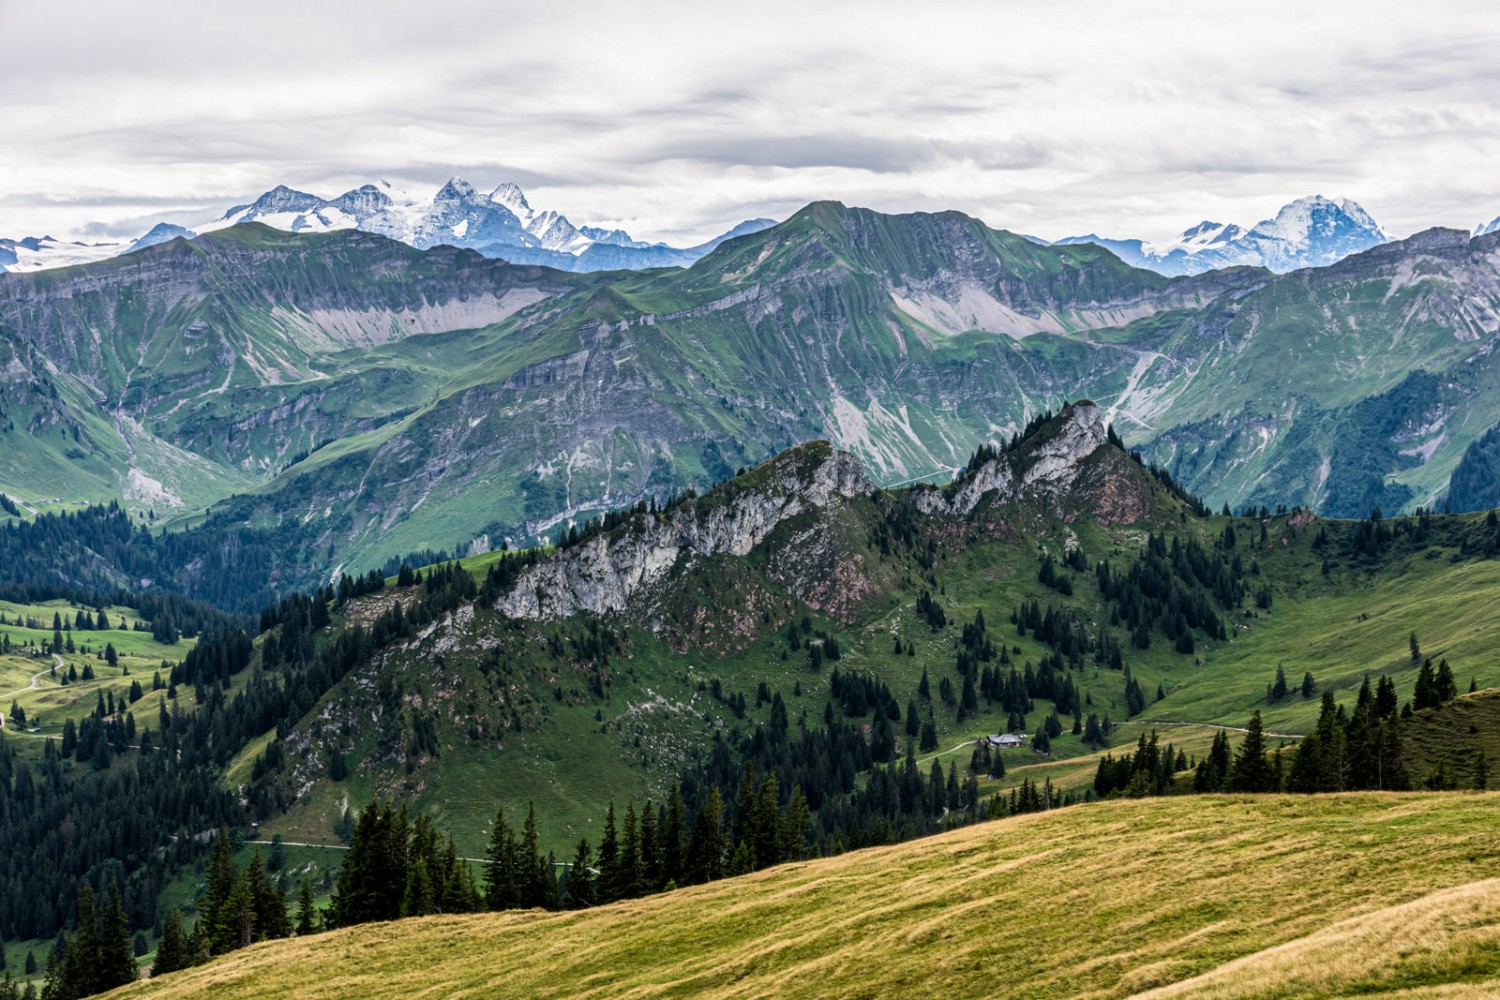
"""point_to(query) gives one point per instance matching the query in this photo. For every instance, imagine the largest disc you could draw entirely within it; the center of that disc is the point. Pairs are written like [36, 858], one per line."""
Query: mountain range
[1309, 232]
[500, 224]
[369, 399]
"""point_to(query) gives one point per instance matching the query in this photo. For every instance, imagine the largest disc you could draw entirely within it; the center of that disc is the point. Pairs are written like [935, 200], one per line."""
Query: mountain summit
[501, 224]
[1309, 232]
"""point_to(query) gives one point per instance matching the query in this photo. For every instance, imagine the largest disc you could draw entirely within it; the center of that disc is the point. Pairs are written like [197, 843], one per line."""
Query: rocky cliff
[1048, 463]
[603, 574]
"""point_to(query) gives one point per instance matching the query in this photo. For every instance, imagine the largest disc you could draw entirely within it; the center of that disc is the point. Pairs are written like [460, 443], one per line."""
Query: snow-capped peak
[1314, 218]
[457, 189]
[1485, 228]
[501, 224]
[511, 196]
[1200, 237]
[1310, 232]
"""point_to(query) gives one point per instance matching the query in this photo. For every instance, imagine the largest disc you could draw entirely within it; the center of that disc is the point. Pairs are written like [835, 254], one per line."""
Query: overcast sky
[673, 120]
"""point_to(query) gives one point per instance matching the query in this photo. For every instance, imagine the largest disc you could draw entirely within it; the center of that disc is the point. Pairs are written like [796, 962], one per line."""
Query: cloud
[678, 119]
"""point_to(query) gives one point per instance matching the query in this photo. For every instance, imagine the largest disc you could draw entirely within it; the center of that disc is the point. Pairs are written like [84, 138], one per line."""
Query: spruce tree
[580, 878]
[417, 901]
[538, 886]
[116, 954]
[222, 876]
[706, 854]
[1425, 694]
[673, 839]
[1251, 772]
[609, 859]
[81, 972]
[171, 951]
[307, 919]
[1446, 687]
[502, 889]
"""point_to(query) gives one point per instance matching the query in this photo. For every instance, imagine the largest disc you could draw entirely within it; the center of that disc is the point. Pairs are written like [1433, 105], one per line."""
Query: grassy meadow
[1221, 896]
[32, 678]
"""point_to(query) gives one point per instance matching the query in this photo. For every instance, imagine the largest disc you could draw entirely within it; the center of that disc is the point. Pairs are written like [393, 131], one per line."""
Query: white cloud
[676, 119]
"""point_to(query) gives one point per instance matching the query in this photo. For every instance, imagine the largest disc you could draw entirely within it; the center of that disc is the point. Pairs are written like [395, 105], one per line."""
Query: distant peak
[456, 188]
[511, 196]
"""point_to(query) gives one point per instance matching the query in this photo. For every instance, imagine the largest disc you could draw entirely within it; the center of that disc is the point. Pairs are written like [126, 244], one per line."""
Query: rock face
[602, 575]
[1048, 463]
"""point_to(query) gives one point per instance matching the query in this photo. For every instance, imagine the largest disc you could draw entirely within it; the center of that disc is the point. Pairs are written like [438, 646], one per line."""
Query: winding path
[30, 687]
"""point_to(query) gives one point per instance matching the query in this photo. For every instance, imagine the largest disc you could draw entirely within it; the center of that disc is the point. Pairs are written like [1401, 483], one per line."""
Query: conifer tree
[538, 886]
[609, 859]
[1425, 694]
[1251, 771]
[116, 956]
[1446, 687]
[80, 972]
[418, 898]
[502, 888]
[706, 855]
[673, 839]
[222, 876]
[581, 878]
[172, 950]
[792, 833]
[307, 920]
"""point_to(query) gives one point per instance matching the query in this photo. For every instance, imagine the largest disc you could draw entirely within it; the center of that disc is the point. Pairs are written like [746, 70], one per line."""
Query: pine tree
[673, 838]
[171, 951]
[609, 859]
[1251, 771]
[792, 833]
[222, 876]
[116, 955]
[706, 853]
[80, 972]
[631, 873]
[580, 878]
[502, 889]
[538, 884]
[1425, 694]
[1446, 687]
[418, 900]
[307, 918]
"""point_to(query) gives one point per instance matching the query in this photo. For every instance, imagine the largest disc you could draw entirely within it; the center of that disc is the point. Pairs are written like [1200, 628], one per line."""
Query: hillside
[365, 400]
[848, 643]
[615, 665]
[1208, 896]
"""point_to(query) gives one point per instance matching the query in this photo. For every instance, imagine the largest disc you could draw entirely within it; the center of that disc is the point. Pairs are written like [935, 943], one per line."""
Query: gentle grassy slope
[1103, 900]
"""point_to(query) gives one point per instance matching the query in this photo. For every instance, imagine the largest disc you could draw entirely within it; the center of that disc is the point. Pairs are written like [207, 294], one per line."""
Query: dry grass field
[1225, 896]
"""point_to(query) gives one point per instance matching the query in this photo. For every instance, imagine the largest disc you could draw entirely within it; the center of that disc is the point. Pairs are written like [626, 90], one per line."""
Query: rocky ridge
[602, 575]
[606, 573]
[1051, 463]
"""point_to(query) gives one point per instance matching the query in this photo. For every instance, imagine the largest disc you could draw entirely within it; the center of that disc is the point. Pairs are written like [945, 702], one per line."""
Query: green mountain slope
[368, 400]
[615, 664]
[1207, 896]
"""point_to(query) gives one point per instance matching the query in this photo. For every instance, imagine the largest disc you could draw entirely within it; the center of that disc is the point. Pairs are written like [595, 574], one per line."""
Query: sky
[677, 120]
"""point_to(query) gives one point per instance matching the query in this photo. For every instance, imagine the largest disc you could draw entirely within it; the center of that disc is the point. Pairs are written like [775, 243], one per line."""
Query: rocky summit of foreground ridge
[608, 572]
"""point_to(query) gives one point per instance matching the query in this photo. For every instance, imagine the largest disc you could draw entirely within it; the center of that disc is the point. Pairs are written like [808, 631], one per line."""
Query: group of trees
[397, 866]
[97, 956]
